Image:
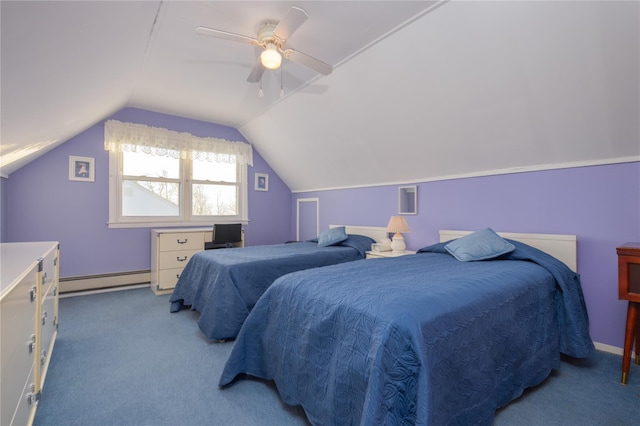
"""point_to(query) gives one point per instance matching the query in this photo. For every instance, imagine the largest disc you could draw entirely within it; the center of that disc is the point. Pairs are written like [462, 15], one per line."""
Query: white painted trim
[103, 290]
[610, 349]
[496, 172]
[307, 200]
[116, 220]
[181, 224]
[104, 281]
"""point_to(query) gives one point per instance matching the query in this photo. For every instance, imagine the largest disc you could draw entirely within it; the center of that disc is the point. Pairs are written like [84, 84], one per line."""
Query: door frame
[307, 200]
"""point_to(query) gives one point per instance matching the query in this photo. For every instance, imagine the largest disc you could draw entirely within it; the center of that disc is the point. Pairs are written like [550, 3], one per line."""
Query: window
[164, 178]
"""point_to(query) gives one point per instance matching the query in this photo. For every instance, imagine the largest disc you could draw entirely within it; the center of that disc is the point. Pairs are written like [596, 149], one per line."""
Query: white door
[308, 220]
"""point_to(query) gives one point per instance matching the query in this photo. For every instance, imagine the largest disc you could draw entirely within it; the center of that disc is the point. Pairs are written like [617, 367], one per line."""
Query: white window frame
[185, 218]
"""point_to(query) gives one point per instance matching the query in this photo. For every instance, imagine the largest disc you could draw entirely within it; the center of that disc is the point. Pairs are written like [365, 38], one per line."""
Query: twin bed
[418, 339]
[423, 339]
[223, 285]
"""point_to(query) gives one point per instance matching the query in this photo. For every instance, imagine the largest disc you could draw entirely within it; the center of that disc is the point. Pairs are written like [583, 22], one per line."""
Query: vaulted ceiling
[420, 89]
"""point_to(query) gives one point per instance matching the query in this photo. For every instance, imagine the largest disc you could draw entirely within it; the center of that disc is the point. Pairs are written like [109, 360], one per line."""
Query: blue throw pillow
[332, 237]
[481, 245]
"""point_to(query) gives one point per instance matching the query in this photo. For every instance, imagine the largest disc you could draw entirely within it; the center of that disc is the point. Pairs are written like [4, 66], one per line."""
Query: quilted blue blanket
[223, 285]
[421, 339]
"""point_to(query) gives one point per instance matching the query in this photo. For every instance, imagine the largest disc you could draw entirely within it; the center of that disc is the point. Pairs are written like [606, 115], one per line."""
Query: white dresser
[171, 250]
[29, 322]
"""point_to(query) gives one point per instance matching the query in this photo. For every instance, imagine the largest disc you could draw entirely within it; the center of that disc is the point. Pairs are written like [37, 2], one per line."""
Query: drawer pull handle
[183, 242]
[44, 318]
[32, 293]
[31, 344]
[178, 276]
[181, 259]
[32, 398]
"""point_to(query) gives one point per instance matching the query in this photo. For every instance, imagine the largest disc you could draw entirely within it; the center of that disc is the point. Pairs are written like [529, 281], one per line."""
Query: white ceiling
[418, 91]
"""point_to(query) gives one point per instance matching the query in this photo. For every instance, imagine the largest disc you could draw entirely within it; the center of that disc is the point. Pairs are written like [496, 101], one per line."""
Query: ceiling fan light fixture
[270, 57]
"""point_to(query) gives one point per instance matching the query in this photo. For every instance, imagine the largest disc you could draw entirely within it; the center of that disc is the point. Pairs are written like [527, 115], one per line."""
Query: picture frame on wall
[408, 200]
[82, 169]
[262, 182]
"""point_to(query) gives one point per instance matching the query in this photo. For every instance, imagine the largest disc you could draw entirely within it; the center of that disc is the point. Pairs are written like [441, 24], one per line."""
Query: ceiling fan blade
[227, 35]
[308, 61]
[290, 23]
[256, 72]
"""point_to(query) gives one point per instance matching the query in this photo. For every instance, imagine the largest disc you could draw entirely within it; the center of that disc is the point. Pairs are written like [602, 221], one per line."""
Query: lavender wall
[42, 204]
[599, 204]
[3, 210]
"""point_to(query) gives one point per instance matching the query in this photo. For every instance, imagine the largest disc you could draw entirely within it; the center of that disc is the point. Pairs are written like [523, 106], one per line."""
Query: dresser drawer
[26, 405]
[31, 270]
[174, 259]
[48, 319]
[49, 263]
[167, 278]
[181, 241]
[18, 348]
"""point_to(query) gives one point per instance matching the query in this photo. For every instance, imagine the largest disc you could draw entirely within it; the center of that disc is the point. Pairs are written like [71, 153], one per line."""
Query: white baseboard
[612, 349]
[104, 281]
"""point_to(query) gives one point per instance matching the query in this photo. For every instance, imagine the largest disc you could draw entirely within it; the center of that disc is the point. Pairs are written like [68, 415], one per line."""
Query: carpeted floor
[122, 359]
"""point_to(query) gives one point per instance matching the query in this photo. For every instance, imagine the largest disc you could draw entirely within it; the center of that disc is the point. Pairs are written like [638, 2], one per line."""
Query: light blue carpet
[121, 358]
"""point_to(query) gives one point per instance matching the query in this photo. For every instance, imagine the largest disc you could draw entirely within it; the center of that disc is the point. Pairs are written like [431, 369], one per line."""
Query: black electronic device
[225, 235]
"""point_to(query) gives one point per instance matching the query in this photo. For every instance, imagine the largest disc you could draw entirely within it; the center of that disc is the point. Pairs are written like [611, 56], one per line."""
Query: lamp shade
[397, 224]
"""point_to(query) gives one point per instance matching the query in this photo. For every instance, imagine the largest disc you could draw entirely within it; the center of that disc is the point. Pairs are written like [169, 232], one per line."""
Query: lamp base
[397, 244]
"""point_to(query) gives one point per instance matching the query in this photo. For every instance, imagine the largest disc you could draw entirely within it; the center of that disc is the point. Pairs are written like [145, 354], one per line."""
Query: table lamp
[398, 225]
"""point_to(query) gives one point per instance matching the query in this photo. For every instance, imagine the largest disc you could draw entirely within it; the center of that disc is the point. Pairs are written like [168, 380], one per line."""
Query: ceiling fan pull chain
[260, 92]
[281, 83]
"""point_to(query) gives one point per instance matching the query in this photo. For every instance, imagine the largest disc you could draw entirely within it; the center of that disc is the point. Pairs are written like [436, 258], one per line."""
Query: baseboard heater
[104, 281]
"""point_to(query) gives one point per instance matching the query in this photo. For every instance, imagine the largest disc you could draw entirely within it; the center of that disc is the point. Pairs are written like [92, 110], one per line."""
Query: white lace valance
[119, 136]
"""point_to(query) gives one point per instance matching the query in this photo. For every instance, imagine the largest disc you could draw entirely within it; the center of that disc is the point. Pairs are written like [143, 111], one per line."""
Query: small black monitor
[227, 233]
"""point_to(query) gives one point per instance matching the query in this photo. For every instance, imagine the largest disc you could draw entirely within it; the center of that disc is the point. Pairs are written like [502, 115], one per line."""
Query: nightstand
[629, 289]
[382, 254]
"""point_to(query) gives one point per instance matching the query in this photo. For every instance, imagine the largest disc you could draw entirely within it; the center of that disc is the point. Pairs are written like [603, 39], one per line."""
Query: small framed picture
[82, 168]
[262, 182]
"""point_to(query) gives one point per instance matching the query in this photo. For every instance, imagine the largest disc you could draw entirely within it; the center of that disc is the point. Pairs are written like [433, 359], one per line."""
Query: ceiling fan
[271, 36]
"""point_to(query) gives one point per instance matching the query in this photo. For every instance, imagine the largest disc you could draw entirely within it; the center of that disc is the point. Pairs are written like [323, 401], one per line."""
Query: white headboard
[562, 247]
[378, 233]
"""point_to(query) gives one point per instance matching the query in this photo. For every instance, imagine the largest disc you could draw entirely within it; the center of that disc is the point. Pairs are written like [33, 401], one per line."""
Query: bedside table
[629, 289]
[381, 254]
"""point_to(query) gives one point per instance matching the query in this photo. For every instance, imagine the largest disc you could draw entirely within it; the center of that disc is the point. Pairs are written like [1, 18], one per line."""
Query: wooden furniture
[29, 324]
[383, 254]
[629, 289]
[171, 250]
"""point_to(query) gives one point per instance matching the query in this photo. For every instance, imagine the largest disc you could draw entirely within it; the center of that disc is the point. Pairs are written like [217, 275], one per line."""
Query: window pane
[144, 198]
[151, 162]
[214, 200]
[214, 167]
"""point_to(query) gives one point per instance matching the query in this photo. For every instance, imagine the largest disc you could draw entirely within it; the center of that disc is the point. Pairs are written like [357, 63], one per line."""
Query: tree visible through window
[157, 184]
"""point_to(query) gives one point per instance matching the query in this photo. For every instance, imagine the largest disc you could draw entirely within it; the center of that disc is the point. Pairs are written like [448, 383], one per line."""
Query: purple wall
[3, 210]
[599, 204]
[42, 204]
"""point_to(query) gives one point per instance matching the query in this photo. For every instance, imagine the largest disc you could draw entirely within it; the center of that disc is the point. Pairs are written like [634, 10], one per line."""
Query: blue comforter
[223, 285]
[421, 339]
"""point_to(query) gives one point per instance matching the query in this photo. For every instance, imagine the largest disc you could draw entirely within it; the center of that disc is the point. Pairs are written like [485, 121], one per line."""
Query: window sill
[116, 225]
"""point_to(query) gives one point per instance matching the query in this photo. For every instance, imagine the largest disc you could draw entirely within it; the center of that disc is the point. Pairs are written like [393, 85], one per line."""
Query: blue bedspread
[421, 339]
[223, 285]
